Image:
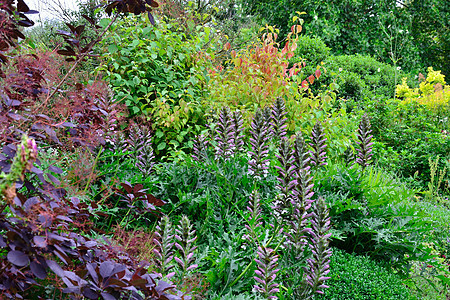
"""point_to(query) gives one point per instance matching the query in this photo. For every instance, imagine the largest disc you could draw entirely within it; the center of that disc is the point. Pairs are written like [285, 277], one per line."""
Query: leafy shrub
[432, 92]
[359, 277]
[409, 134]
[372, 212]
[361, 77]
[161, 72]
[312, 50]
[254, 77]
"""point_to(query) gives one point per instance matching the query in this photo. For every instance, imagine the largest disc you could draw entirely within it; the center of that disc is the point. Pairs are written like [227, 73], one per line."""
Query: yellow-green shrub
[433, 92]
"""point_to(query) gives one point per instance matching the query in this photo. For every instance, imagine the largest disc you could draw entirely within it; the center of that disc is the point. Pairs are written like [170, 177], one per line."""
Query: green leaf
[105, 22]
[112, 48]
[159, 134]
[135, 109]
[162, 146]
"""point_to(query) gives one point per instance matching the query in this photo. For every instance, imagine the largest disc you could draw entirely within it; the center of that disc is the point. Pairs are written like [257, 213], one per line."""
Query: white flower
[316, 17]
[378, 69]
[340, 69]
[398, 68]
[400, 31]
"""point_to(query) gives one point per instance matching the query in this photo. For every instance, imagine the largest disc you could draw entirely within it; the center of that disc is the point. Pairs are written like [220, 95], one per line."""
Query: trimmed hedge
[359, 277]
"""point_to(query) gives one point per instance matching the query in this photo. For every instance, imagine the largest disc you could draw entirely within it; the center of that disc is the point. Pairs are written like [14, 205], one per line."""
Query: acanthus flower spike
[364, 155]
[259, 163]
[318, 154]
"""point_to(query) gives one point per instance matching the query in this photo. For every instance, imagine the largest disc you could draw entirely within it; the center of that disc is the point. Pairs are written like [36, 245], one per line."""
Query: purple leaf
[18, 258]
[38, 269]
[55, 268]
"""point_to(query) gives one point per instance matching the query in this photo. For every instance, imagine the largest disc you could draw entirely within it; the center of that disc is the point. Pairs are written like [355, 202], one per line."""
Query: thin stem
[93, 168]
[82, 56]
[250, 264]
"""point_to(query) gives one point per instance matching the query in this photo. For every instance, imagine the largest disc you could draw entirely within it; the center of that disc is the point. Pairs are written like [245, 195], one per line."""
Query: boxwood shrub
[361, 278]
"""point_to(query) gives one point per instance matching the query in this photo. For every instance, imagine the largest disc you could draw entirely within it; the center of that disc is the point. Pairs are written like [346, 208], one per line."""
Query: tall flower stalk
[267, 117]
[278, 119]
[200, 148]
[266, 273]
[164, 240]
[254, 221]
[302, 194]
[364, 155]
[318, 154]
[140, 137]
[259, 163]
[318, 266]
[146, 159]
[238, 131]
[185, 243]
[225, 134]
[283, 203]
[349, 157]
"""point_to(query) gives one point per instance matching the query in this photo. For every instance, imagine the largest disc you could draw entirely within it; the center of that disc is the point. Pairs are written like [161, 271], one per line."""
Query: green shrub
[409, 135]
[358, 277]
[373, 213]
[312, 50]
[361, 77]
[161, 72]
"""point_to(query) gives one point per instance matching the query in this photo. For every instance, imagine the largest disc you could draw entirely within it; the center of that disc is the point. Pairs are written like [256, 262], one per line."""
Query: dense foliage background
[225, 150]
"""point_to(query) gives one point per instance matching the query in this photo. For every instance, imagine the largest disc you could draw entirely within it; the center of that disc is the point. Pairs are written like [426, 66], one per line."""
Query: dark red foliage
[41, 228]
[136, 7]
[138, 200]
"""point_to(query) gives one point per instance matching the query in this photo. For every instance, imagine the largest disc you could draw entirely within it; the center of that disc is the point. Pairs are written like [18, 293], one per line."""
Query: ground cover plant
[186, 167]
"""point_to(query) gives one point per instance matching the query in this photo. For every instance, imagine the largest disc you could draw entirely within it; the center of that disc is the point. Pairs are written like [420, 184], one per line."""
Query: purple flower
[225, 134]
[364, 156]
[318, 154]
[266, 273]
[238, 131]
[254, 220]
[200, 148]
[318, 266]
[259, 163]
[286, 179]
[303, 187]
[278, 119]
[349, 157]
[185, 236]
[140, 143]
[164, 240]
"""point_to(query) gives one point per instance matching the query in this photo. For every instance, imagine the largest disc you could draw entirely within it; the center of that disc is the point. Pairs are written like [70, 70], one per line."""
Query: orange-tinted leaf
[318, 73]
[311, 79]
[304, 85]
